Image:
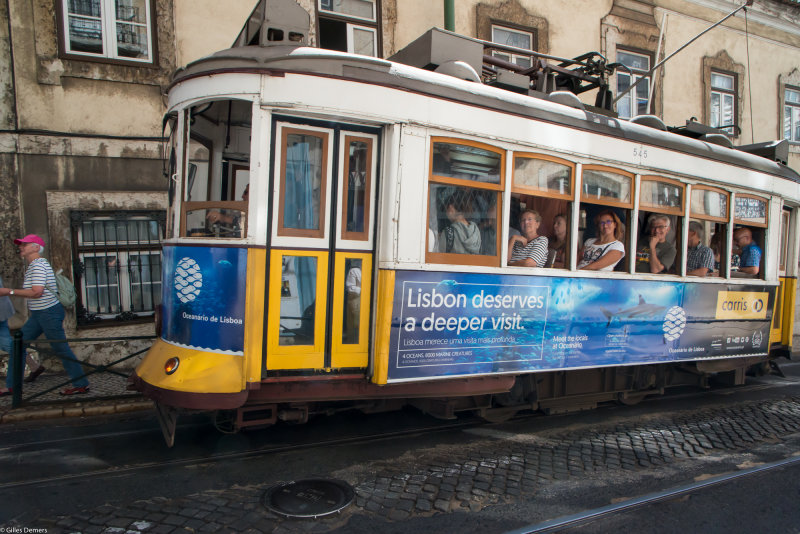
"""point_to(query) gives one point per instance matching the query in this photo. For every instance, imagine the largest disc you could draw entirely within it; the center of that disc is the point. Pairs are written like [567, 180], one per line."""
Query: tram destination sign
[460, 324]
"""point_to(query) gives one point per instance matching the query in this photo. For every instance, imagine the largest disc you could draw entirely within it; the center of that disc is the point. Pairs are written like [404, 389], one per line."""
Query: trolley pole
[19, 369]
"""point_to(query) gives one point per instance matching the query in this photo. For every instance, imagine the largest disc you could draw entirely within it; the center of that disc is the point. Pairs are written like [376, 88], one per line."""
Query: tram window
[544, 184]
[784, 252]
[464, 203]
[466, 162]
[660, 225]
[216, 171]
[462, 218]
[352, 301]
[709, 209]
[700, 260]
[608, 185]
[357, 189]
[748, 247]
[298, 300]
[605, 196]
[658, 232]
[750, 217]
[303, 183]
[596, 220]
[553, 225]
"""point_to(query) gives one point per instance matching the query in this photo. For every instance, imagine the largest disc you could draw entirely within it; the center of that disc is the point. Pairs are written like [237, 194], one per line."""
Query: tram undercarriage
[493, 398]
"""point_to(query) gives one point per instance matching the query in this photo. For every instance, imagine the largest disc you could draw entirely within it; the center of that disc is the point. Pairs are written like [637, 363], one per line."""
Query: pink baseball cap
[30, 238]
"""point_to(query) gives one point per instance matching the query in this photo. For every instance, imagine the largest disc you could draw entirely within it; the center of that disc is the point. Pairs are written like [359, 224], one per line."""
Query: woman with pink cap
[45, 312]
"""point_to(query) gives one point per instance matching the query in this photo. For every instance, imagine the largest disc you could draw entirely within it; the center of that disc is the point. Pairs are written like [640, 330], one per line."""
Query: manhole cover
[313, 497]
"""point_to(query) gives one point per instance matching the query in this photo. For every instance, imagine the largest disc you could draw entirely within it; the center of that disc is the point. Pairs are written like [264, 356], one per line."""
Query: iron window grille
[117, 264]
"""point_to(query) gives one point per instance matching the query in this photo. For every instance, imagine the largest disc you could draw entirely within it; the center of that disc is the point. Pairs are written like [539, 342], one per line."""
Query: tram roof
[371, 70]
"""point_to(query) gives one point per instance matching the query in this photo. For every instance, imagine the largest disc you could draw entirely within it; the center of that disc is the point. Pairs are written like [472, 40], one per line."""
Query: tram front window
[298, 300]
[216, 169]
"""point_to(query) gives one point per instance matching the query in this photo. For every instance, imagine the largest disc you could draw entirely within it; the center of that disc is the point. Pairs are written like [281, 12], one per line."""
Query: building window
[118, 267]
[513, 37]
[638, 65]
[112, 29]
[349, 26]
[791, 115]
[723, 102]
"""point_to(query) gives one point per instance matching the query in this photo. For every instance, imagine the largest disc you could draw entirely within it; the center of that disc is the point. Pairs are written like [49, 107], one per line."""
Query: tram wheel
[225, 421]
[630, 399]
[498, 415]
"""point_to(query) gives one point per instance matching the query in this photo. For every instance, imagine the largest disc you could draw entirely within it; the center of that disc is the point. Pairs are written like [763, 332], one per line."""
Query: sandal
[76, 391]
[34, 374]
[6, 391]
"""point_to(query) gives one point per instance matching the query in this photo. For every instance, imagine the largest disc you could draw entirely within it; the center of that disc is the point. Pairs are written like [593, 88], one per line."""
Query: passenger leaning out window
[604, 252]
[530, 248]
[654, 254]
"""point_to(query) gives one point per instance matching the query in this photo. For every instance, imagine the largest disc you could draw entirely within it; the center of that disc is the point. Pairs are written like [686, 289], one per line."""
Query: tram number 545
[639, 152]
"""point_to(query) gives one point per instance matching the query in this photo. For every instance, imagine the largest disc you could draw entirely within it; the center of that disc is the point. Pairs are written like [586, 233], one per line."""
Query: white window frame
[508, 56]
[715, 119]
[347, 15]
[635, 75]
[351, 28]
[791, 108]
[108, 23]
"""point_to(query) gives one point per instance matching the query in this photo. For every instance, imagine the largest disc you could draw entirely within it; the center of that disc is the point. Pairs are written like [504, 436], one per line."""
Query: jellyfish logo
[188, 280]
[674, 323]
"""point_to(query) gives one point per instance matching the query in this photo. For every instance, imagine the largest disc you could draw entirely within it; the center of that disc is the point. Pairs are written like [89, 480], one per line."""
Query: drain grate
[313, 497]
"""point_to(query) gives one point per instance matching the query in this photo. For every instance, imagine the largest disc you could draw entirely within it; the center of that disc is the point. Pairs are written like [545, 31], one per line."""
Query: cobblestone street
[492, 466]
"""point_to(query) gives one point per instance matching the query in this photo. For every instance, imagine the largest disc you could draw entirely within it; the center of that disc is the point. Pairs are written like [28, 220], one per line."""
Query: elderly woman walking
[46, 314]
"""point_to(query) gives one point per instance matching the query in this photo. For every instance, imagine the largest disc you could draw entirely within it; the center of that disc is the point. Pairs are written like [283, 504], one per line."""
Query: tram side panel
[443, 325]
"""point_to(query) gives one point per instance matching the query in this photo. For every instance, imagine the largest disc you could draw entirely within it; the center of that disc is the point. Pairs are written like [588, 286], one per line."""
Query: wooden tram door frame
[329, 247]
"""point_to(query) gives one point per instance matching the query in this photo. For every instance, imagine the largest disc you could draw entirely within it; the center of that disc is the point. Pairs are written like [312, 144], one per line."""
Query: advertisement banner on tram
[458, 324]
[204, 298]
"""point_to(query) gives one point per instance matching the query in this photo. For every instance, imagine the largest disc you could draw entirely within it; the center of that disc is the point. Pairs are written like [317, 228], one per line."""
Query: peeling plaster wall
[59, 205]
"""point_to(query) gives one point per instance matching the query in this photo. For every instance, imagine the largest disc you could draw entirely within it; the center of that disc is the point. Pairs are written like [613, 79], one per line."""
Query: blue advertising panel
[457, 324]
[203, 295]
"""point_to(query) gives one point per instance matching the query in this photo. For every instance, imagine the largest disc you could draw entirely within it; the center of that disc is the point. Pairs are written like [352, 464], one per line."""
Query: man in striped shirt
[46, 314]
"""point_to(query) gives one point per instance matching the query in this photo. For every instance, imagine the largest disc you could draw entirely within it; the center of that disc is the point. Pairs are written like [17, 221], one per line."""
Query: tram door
[321, 248]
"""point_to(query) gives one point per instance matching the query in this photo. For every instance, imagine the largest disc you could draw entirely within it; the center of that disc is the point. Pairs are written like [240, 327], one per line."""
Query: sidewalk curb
[85, 408]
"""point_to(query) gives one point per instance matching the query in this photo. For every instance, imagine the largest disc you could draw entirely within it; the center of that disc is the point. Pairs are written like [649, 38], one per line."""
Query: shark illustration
[643, 308]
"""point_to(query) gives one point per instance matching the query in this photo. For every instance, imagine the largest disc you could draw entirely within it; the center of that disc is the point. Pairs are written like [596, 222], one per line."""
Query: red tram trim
[333, 390]
[185, 399]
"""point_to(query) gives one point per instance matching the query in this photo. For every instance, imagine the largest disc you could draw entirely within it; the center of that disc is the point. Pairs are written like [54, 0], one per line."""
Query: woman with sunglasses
[604, 252]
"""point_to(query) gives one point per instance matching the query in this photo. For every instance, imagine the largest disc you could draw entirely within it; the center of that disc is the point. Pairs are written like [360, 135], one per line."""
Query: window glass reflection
[352, 301]
[298, 300]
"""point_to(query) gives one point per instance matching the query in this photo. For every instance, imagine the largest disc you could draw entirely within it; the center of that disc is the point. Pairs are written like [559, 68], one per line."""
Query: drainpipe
[450, 15]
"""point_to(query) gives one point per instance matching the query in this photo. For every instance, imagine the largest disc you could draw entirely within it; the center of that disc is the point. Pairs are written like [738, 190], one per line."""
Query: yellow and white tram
[311, 257]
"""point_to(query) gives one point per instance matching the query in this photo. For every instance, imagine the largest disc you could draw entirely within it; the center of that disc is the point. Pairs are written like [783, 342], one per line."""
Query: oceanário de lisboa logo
[188, 280]
[674, 323]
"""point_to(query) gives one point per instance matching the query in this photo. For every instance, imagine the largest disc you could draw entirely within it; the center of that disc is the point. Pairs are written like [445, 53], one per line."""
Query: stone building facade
[83, 87]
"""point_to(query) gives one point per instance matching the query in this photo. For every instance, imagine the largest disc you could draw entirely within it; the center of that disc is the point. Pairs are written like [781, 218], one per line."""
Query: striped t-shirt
[536, 249]
[39, 273]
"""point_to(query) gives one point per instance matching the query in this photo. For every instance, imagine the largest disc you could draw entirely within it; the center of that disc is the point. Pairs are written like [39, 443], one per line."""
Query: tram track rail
[436, 426]
[584, 518]
[239, 455]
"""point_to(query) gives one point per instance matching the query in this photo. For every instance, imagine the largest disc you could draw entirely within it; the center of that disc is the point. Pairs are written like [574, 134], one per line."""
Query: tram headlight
[171, 365]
